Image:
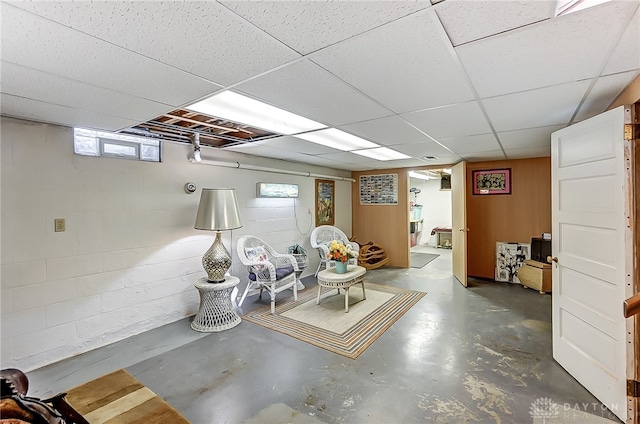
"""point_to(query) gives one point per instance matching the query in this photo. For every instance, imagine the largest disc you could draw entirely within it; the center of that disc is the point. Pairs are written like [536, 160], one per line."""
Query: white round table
[216, 312]
[331, 279]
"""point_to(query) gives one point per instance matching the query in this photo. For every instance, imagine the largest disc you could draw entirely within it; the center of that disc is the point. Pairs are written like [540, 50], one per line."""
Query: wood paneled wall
[386, 225]
[517, 217]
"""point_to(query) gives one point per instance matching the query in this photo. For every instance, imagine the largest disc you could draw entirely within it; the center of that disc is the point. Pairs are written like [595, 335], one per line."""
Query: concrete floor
[478, 354]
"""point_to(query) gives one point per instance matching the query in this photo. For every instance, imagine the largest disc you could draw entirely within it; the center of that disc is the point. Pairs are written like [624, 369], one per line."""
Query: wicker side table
[331, 279]
[216, 311]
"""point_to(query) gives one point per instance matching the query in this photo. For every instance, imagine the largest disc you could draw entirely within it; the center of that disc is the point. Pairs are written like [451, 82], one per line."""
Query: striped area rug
[119, 397]
[327, 325]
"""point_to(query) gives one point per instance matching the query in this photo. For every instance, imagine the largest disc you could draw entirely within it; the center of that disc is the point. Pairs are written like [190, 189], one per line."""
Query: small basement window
[98, 143]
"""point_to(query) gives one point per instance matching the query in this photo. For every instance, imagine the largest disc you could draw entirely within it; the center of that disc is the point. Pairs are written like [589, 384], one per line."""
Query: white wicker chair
[267, 268]
[321, 237]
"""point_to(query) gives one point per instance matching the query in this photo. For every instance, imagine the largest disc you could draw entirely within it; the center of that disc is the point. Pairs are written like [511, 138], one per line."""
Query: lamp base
[216, 261]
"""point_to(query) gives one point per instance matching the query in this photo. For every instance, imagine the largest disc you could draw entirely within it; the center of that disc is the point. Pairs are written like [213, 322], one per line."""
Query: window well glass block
[150, 153]
[99, 143]
[84, 145]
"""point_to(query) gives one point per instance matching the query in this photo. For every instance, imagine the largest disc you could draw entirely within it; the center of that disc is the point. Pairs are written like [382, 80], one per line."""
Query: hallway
[480, 354]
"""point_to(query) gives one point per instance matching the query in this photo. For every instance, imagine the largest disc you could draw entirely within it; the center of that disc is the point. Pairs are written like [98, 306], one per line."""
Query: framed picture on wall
[325, 202]
[492, 181]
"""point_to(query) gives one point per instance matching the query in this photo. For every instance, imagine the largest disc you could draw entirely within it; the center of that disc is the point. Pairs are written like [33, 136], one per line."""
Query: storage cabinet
[415, 228]
[536, 275]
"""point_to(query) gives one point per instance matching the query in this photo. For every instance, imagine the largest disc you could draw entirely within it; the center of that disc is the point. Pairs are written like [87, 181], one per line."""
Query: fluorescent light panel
[337, 139]
[414, 174]
[564, 7]
[381, 153]
[245, 110]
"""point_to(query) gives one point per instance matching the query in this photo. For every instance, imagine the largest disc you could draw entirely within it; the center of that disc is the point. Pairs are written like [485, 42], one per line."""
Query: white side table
[331, 279]
[216, 311]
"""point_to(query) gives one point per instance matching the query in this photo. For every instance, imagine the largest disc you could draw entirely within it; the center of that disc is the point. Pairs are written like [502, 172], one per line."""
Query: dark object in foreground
[16, 407]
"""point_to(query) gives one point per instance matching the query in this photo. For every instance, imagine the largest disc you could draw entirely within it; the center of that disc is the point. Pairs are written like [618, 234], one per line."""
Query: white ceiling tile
[529, 138]
[419, 150]
[320, 161]
[466, 20]
[406, 65]
[388, 164]
[263, 150]
[34, 110]
[294, 144]
[531, 152]
[108, 65]
[484, 156]
[203, 38]
[400, 163]
[38, 43]
[254, 148]
[345, 157]
[359, 167]
[451, 121]
[626, 55]
[603, 93]
[442, 160]
[307, 26]
[308, 90]
[388, 131]
[47, 88]
[536, 108]
[563, 49]
[472, 143]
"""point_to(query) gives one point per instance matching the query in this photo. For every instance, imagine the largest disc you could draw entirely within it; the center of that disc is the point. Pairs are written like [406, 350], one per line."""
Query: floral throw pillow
[256, 253]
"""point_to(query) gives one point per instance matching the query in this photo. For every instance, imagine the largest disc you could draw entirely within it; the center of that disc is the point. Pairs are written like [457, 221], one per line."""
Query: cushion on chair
[280, 273]
[256, 253]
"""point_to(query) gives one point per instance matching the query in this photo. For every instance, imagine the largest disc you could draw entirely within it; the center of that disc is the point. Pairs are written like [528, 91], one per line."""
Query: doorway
[430, 212]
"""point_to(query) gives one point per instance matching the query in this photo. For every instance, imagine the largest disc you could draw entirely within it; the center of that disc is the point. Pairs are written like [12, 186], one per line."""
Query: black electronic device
[540, 249]
[445, 182]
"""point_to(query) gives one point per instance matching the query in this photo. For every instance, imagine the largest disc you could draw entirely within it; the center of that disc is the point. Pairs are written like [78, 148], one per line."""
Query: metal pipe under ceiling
[197, 158]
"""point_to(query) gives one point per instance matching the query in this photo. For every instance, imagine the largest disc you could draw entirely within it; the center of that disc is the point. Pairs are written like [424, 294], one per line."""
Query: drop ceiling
[458, 80]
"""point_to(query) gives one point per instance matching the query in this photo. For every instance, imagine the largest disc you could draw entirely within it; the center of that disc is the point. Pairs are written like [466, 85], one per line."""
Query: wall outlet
[59, 225]
[309, 211]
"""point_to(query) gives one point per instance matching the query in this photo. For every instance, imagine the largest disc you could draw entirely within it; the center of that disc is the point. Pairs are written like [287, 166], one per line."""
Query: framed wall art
[492, 181]
[509, 259]
[325, 202]
[381, 189]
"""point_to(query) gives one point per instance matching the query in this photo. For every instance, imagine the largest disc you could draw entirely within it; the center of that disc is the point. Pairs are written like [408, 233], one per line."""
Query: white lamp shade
[218, 210]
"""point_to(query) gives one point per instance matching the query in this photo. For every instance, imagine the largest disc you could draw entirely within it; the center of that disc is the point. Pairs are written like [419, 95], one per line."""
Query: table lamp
[218, 211]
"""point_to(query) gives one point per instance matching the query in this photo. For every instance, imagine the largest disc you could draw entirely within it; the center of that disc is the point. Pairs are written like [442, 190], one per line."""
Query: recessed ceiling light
[431, 157]
[337, 139]
[381, 153]
[245, 110]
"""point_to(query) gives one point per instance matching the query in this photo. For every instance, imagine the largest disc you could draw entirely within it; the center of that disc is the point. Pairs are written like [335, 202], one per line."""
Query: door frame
[632, 163]
[459, 222]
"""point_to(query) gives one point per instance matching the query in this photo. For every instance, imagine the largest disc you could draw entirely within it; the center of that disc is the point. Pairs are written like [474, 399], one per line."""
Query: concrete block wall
[129, 256]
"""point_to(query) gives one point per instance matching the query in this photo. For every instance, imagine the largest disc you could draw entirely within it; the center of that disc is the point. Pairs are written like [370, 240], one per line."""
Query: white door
[592, 261]
[459, 221]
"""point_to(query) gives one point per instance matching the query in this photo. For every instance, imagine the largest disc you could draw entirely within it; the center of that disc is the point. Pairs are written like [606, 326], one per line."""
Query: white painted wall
[436, 207]
[129, 256]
